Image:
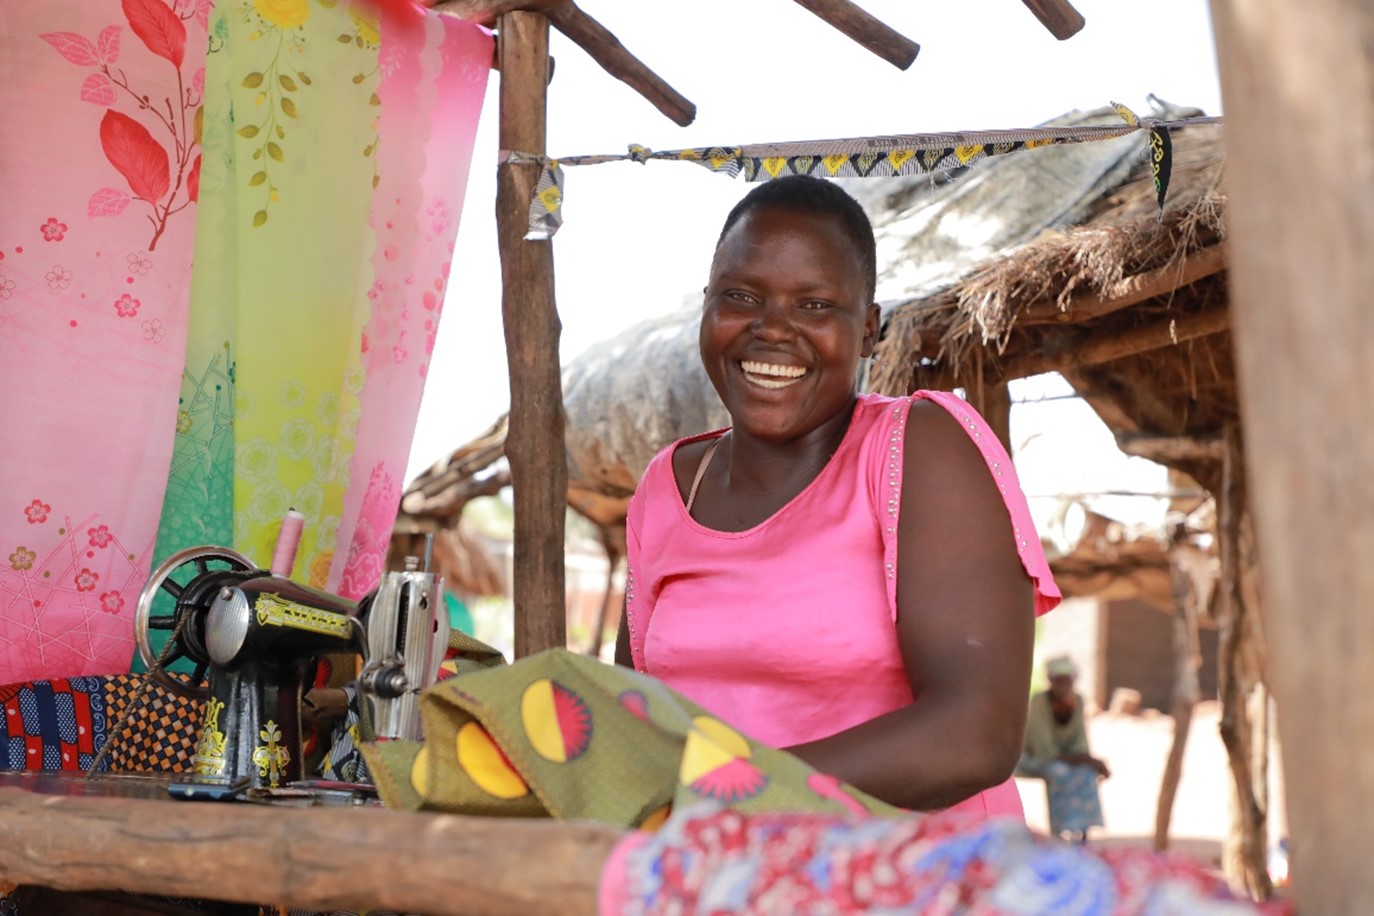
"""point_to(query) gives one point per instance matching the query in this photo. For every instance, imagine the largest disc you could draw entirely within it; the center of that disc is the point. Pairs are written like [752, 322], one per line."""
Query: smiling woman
[852, 578]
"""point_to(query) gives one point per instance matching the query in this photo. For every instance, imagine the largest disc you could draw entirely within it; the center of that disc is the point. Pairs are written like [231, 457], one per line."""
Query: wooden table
[126, 833]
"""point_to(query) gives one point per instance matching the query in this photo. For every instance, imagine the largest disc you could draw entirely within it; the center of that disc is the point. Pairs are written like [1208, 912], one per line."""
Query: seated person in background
[852, 578]
[1057, 752]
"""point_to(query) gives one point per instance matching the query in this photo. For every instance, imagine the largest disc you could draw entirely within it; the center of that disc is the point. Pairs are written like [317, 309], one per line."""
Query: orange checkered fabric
[156, 732]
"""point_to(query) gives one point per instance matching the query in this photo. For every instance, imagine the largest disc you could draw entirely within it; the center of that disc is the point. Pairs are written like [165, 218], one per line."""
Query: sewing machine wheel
[185, 576]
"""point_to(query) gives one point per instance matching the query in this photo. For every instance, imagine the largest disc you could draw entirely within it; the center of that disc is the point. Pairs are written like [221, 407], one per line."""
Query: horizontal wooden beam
[872, 33]
[318, 858]
[1171, 449]
[1131, 290]
[604, 48]
[486, 12]
[1103, 347]
[1121, 295]
[590, 36]
[1058, 16]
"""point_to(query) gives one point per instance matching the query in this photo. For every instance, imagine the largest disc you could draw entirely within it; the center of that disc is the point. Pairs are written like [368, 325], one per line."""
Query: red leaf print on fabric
[108, 43]
[137, 156]
[73, 47]
[158, 27]
[98, 89]
[107, 202]
[193, 180]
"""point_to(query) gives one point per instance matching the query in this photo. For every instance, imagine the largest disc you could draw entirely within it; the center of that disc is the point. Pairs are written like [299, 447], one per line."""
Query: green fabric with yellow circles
[562, 735]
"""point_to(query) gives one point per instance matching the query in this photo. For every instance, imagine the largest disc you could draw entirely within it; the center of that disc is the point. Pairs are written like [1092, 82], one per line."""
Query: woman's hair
[816, 196]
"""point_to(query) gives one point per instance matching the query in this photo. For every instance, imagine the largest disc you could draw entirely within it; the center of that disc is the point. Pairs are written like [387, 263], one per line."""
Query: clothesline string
[857, 157]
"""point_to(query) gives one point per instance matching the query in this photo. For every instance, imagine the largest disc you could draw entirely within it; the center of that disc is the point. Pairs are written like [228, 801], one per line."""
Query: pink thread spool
[288, 541]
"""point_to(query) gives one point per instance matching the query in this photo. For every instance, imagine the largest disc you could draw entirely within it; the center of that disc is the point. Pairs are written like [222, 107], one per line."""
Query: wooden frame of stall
[329, 858]
[1289, 241]
[1296, 83]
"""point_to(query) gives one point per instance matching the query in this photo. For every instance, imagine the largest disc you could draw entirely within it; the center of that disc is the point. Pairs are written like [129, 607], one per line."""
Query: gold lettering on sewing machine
[275, 611]
[272, 756]
[209, 756]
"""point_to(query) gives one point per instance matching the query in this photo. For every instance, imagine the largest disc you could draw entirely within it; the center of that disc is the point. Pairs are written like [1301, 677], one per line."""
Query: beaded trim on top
[999, 465]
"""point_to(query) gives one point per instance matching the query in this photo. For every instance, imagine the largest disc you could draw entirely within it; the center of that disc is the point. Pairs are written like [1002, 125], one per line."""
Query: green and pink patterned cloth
[225, 239]
[723, 823]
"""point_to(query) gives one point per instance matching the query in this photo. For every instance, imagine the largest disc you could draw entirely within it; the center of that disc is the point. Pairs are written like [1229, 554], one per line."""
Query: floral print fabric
[309, 158]
[333, 188]
[711, 860]
[98, 179]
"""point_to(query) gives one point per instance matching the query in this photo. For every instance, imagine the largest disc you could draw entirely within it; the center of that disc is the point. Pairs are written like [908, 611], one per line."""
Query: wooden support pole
[1131, 290]
[1171, 449]
[872, 33]
[613, 543]
[604, 48]
[1058, 16]
[1091, 351]
[320, 858]
[487, 12]
[1245, 862]
[1185, 581]
[592, 37]
[1297, 78]
[993, 403]
[534, 445]
[1111, 346]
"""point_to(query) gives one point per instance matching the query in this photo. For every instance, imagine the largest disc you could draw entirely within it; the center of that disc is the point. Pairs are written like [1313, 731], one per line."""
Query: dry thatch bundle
[1130, 305]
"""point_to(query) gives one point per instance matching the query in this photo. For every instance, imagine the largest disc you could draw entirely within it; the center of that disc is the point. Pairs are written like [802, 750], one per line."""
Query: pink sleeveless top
[786, 630]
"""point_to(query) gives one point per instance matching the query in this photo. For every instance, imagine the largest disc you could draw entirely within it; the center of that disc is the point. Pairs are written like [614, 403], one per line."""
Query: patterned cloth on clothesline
[866, 157]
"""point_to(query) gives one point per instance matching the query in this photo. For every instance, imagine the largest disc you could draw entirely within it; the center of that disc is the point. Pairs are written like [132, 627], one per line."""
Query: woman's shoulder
[924, 407]
[667, 467]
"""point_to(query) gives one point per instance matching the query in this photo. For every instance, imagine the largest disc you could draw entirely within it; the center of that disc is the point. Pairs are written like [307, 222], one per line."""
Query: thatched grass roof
[1130, 305]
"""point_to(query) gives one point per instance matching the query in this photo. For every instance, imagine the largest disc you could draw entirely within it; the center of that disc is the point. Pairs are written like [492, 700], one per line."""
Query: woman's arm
[965, 623]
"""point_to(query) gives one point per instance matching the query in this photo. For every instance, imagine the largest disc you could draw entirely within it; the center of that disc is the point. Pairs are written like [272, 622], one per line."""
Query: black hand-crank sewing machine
[253, 636]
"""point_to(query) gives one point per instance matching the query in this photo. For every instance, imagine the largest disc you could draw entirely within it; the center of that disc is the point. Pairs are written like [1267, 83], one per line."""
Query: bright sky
[636, 238]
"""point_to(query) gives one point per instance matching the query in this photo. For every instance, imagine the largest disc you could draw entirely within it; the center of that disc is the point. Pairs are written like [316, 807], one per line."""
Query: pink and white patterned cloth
[711, 860]
[225, 238]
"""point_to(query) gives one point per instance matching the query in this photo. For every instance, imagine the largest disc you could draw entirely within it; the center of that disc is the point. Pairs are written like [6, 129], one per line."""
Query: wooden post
[993, 402]
[1297, 78]
[859, 25]
[1187, 566]
[613, 542]
[534, 446]
[1058, 16]
[1245, 853]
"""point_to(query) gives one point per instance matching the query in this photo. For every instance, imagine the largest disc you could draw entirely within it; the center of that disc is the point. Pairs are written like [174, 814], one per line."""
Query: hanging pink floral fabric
[99, 167]
[310, 158]
[415, 220]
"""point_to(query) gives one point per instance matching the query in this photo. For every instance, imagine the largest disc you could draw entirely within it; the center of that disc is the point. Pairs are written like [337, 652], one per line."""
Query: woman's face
[785, 323]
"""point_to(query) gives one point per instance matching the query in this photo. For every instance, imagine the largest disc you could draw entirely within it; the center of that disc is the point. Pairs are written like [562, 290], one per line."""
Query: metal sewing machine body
[407, 636]
[256, 636]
